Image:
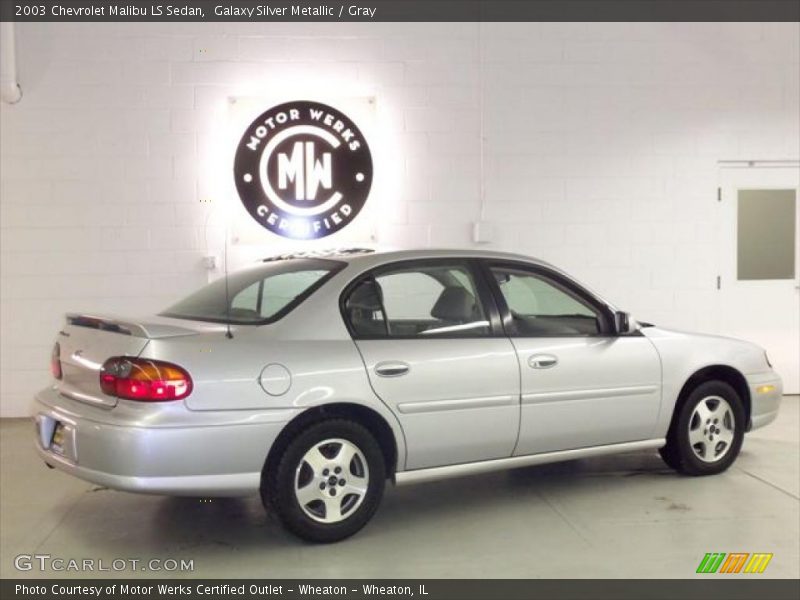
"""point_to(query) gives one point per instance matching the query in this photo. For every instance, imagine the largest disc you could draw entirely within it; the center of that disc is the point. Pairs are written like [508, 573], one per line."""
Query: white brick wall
[601, 149]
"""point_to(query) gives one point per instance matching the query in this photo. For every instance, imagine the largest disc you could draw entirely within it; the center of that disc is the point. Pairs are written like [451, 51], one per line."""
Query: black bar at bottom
[746, 587]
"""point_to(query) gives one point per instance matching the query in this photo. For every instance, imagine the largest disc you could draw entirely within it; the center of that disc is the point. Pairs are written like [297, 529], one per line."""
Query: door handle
[542, 361]
[392, 369]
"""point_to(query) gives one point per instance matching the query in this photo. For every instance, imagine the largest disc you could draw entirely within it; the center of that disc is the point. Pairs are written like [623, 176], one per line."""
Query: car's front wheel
[329, 481]
[707, 433]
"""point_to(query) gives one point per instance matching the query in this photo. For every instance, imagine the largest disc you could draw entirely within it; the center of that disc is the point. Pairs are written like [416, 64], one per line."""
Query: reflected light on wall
[227, 220]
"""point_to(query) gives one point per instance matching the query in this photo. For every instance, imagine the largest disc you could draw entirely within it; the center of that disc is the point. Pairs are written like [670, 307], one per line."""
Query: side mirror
[622, 323]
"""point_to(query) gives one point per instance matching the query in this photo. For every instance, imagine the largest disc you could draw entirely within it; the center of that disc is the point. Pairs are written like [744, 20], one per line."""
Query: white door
[759, 252]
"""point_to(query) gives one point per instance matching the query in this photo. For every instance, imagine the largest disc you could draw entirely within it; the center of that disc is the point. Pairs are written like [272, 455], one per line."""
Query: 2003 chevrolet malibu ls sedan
[314, 379]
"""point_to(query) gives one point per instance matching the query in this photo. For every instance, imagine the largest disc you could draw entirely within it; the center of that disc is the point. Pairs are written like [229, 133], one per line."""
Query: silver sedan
[314, 379]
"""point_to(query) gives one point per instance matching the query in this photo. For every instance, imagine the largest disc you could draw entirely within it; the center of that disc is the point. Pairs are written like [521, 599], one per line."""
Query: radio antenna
[228, 333]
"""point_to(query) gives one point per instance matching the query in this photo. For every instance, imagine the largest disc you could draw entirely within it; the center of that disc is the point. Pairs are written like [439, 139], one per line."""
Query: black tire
[278, 485]
[679, 453]
[669, 456]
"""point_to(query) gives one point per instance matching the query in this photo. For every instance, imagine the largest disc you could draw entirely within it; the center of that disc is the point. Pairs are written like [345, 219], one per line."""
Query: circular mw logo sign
[303, 170]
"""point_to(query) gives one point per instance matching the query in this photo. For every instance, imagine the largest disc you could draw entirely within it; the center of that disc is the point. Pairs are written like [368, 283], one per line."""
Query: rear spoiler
[127, 327]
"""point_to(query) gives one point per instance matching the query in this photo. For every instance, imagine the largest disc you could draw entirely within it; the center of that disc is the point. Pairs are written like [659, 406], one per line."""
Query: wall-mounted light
[245, 239]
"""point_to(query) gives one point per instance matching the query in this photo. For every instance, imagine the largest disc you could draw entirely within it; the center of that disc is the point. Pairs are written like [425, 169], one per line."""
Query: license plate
[59, 434]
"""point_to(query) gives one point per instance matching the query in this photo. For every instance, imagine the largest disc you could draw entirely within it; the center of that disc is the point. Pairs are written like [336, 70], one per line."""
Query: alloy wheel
[331, 480]
[711, 429]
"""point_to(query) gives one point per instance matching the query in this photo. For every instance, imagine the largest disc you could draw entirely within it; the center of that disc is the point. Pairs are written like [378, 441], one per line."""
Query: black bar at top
[411, 10]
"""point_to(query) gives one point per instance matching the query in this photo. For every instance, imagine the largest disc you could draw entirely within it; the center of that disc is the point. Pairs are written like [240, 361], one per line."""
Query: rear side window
[425, 301]
[258, 295]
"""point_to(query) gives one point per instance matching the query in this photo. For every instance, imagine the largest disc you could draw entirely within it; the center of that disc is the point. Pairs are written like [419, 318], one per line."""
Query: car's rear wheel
[329, 481]
[707, 433]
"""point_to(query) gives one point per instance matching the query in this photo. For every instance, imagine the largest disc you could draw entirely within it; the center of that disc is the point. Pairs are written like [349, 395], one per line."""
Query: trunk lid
[87, 341]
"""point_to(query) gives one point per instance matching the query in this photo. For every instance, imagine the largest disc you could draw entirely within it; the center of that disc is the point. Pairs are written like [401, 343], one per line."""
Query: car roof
[367, 257]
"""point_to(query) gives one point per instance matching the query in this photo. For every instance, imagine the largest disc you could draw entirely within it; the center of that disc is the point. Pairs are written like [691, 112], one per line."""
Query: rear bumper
[206, 459]
[766, 391]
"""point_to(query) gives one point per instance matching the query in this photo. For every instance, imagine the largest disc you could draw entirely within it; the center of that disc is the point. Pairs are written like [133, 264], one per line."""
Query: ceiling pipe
[10, 91]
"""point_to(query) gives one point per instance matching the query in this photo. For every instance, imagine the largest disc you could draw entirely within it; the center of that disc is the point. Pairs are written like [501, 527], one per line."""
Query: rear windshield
[258, 295]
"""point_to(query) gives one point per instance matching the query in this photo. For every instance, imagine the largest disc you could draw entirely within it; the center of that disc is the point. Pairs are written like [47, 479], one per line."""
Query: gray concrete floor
[623, 516]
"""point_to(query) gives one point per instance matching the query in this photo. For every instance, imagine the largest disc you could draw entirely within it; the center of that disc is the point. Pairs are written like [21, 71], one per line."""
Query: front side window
[257, 295]
[541, 308]
[424, 301]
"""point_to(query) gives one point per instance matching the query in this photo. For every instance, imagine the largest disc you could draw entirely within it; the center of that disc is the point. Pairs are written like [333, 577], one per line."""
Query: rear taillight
[55, 361]
[144, 380]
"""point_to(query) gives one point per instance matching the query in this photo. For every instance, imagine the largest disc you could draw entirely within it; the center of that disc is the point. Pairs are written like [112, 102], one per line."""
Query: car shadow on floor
[240, 523]
[109, 523]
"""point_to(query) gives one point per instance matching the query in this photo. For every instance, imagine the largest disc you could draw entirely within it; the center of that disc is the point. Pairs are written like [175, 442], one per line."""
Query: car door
[582, 385]
[435, 353]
